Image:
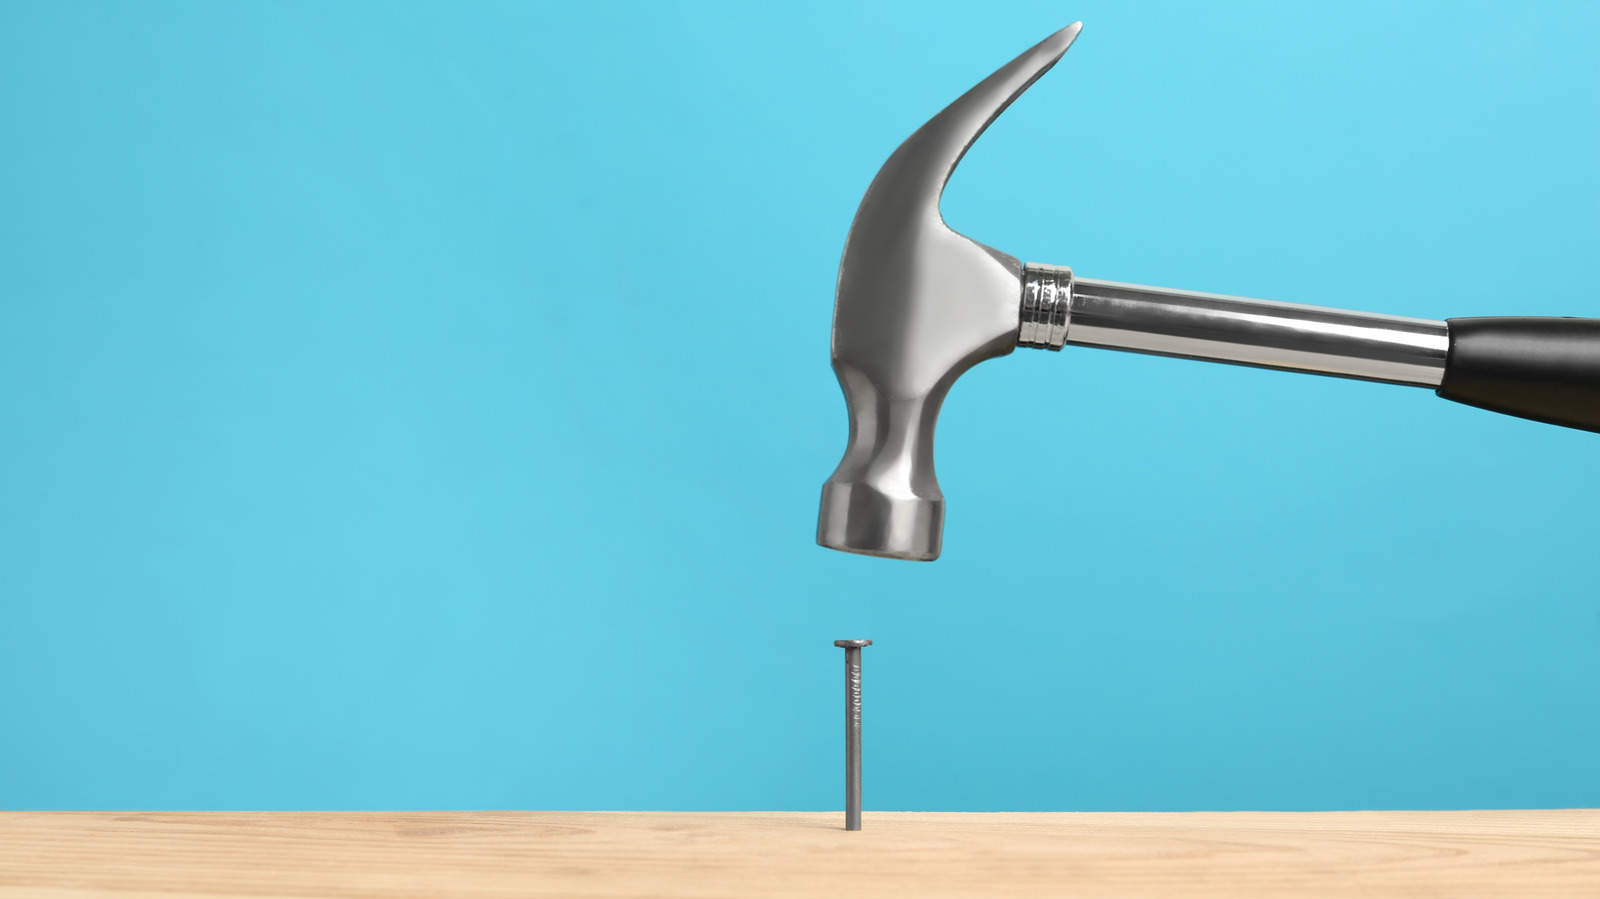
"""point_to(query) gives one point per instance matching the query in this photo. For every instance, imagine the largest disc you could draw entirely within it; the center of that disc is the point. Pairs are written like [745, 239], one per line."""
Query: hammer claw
[946, 137]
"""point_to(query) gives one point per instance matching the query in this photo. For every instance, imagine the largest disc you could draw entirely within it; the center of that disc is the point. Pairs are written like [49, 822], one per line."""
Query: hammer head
[917, 305]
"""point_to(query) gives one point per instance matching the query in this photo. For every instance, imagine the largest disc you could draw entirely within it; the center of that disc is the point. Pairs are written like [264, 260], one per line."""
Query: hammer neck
[1060, 309]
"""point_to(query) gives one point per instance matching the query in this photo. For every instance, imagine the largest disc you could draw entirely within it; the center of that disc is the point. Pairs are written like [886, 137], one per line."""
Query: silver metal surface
[852, 731]
[1262, 333]
[917, 304]
[1046, 306]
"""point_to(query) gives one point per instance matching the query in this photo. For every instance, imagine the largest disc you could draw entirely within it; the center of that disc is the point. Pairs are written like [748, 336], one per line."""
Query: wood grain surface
[55, 855]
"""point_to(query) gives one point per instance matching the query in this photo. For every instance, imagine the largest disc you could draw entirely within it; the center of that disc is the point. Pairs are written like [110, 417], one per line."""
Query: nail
[852, 731]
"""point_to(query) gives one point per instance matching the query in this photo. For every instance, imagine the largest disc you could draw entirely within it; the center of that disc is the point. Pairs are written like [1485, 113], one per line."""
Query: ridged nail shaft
[852, 731]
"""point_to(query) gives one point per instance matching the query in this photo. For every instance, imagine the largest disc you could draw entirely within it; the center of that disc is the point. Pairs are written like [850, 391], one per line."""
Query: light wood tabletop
[58, 855]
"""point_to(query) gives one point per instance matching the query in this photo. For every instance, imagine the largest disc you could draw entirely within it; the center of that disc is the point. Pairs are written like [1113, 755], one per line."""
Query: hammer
[918, 304]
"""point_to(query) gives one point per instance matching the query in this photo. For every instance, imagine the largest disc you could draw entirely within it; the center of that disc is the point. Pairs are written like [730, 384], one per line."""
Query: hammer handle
[1544, 369]
[1262, 333]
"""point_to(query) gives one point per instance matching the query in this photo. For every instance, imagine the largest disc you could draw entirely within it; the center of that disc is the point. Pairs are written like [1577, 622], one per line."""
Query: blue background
[425, 405]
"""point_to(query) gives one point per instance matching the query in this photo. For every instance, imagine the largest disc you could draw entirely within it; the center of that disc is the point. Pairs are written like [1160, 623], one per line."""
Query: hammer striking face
[918, 304]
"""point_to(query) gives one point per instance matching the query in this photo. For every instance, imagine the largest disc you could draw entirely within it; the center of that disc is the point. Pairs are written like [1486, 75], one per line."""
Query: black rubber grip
[1546, 369]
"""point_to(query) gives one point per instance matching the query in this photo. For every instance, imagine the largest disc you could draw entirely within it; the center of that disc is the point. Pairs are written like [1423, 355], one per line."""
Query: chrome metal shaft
[1060, 309]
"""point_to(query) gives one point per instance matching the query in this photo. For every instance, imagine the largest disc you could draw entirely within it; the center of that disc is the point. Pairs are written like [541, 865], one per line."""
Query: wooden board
[55, 855]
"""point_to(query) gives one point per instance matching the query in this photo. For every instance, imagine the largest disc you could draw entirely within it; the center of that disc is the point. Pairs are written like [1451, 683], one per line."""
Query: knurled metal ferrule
[1046, 306]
